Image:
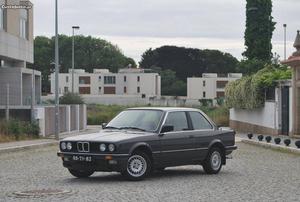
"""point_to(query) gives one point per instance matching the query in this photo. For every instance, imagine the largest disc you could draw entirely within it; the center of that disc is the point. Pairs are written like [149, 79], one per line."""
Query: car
[140, 140]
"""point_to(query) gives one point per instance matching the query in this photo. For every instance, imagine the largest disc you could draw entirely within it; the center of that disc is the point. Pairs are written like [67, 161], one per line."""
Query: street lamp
[73, 28]
[56, 74]
[284, 27]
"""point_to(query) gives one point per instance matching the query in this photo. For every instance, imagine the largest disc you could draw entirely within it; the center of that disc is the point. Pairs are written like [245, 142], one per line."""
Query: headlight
[111, 147]
[69, 145]
[63, 146]
[102, 147]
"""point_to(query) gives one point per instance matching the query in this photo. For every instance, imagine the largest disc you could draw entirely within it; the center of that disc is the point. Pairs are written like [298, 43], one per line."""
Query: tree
[188, 62]
[90, 53]
[259, 30]
[71, 98]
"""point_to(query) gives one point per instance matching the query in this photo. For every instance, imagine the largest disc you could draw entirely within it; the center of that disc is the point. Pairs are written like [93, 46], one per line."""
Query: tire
[81, 174]
[138, 166]
[213, 162]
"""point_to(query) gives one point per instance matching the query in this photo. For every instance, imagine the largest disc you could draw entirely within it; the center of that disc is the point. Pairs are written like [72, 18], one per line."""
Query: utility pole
[56, 75]
[7, 103]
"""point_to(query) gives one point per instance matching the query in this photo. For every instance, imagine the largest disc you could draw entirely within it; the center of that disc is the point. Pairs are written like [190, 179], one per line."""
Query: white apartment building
[209, 86]
[102, 82]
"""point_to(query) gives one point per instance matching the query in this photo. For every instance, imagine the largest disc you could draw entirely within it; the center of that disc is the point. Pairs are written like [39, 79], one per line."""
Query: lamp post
[284, 27]
[73, 28]
[56, 74]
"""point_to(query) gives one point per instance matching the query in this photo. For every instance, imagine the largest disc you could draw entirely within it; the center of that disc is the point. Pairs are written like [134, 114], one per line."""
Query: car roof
[167, 109]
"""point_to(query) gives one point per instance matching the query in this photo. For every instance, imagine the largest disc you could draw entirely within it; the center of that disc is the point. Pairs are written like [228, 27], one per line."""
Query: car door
[177, 146]
[203, 132]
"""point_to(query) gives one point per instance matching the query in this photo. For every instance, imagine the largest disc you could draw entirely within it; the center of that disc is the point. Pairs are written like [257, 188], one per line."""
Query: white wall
[266, 116]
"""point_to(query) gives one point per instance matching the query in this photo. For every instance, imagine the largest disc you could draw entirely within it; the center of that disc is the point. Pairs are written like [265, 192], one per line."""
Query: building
[209, 86]
[16, 50]
[137, 82]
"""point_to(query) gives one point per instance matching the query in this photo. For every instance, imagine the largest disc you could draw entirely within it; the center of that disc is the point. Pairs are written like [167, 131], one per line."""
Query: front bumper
[99, 162]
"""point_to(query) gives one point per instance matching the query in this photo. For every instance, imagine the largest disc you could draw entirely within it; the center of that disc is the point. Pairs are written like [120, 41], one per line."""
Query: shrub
[268, 139]
[97, 114]
[71, 98]
[249, 91]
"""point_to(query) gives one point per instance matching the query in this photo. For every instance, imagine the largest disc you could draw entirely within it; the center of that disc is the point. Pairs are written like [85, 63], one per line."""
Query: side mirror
[166, 129]
[103, 125]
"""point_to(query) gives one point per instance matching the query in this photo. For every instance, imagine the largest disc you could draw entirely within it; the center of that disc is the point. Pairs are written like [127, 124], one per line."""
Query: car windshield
[143, 120]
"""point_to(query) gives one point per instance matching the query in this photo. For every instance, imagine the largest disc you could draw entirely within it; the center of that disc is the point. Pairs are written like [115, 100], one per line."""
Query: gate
[285, 110]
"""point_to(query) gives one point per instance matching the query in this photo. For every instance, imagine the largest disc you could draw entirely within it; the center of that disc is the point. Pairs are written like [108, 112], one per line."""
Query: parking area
[254, 174]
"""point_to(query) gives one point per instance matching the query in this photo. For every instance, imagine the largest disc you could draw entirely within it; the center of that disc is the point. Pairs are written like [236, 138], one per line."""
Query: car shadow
[169, 173]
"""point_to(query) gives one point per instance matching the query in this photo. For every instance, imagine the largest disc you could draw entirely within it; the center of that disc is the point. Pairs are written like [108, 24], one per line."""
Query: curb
[272, 146]
[27, 147]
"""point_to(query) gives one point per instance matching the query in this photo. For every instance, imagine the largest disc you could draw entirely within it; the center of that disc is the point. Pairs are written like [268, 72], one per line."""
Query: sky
[137, 25]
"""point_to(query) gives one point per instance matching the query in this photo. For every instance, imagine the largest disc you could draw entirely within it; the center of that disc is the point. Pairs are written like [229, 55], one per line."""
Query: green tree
[259, 30]
[188, 62]
[71, 98]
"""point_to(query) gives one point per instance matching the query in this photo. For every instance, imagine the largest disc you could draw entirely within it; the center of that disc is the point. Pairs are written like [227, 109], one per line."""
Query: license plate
[82, 158]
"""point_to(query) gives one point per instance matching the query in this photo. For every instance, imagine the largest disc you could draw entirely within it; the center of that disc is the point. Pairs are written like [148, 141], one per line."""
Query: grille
[83, 146]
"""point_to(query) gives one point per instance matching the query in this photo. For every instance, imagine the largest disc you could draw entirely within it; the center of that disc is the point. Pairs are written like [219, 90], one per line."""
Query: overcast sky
[136, 25]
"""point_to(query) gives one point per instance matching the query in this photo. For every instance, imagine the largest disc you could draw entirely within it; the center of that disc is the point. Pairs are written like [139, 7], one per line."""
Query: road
[254, 174]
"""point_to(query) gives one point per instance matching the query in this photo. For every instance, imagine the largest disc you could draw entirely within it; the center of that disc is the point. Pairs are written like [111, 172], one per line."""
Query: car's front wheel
[138, 166]
[81, 174]
[213, 161]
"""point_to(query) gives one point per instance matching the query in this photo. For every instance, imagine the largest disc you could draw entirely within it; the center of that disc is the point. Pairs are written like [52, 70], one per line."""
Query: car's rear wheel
[81, 174]
[138, 166]
[213, 161]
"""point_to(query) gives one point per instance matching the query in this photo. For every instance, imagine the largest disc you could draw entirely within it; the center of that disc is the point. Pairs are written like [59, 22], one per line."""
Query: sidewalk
[38, 143]
[292, 148]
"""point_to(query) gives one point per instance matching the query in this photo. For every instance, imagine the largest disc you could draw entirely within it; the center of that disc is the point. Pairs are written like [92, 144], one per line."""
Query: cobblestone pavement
[254, 174]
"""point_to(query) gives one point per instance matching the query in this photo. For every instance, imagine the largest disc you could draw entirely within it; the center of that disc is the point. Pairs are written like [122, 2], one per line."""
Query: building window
[109, 80]
[138, 89]
[204, 94]
[125, 89]
[84, 90]
[24, 23]
[1, 18]
[67, 79]
[204, 83]
[66, 89]
[138, 78]
[99, 90]
[221, 84]
[220, 94]
[99, 78]
[125, 78]
[84, 80]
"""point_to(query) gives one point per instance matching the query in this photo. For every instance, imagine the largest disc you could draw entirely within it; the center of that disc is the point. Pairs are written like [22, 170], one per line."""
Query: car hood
[107, 136]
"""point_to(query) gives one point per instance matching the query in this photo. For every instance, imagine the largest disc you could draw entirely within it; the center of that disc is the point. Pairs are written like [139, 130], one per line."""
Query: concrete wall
[72, 118]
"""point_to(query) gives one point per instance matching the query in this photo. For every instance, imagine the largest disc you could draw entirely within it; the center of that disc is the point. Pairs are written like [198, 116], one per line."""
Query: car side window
[199, 121]
[178, 120]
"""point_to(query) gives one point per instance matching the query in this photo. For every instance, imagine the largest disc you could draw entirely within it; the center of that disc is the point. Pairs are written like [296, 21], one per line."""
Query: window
[178, 120]
[220, 94]
[84, 80]
[221, 84]
[99, 90]
[125, 78]
[138, 89]
[204, 94]
[109, 80]
[1, 18]
[199, 121]
[99, 78]
[66, 89]
[67, 79]
[125, 89]
[204, 83]
[24, 23]
[138, 78]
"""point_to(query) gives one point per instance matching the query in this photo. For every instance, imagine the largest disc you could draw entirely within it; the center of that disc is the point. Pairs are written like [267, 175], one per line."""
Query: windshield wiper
[134, 128]
[111, 127]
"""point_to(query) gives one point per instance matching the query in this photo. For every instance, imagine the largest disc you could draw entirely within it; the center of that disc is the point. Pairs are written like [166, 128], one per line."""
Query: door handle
[191, 136]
